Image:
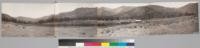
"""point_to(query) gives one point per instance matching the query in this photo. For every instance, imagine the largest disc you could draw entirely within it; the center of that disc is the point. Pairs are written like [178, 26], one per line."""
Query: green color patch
[113, 44]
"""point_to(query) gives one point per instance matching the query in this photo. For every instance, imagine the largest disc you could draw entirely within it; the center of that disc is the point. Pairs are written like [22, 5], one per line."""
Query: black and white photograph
[159, 18]
[99, 19]
[126, 19]
[24, 20]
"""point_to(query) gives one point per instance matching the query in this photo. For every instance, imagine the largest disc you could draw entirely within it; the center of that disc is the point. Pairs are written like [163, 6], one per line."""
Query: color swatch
[105, 44]
[96, 42]
[80, 44]
[92, 44]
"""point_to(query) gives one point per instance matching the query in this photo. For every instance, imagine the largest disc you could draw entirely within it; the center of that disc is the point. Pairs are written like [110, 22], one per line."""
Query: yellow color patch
[105, 44]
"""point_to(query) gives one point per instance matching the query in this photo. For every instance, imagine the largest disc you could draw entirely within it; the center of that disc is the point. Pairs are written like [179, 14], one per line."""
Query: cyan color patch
[122, 44]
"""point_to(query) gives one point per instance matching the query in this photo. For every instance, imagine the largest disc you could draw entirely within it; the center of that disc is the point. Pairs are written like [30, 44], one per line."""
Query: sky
[37, 10]
[33, 10]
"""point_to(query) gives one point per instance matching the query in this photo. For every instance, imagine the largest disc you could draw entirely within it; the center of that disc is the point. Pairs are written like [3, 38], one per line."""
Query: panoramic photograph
[159, 18]
[126, 19]
[24, 20]
[99, 19]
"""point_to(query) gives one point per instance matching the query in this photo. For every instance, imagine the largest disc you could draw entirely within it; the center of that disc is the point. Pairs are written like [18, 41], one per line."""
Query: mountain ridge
[103, 13]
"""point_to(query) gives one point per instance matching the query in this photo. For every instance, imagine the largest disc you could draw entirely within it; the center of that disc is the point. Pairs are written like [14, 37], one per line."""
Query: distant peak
[125, 6]
[191, 4]
[86, 8]
[153, 6]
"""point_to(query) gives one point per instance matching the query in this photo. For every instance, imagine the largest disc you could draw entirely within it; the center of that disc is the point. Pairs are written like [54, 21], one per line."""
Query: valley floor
[166, 26]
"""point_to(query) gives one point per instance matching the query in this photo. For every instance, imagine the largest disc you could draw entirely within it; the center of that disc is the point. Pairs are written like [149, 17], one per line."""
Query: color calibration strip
[96, 42]
[103, 44]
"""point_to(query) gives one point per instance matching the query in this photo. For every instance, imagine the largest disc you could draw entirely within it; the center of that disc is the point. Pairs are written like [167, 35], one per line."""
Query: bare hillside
[178, 25]
[124, 21]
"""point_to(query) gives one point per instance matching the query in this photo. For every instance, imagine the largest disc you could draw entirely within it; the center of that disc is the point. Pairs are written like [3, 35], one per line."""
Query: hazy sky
[36, 10]
[33, 10]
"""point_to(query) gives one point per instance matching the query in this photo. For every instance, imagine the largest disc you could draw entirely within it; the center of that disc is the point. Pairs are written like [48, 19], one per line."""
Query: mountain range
[103, 13]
